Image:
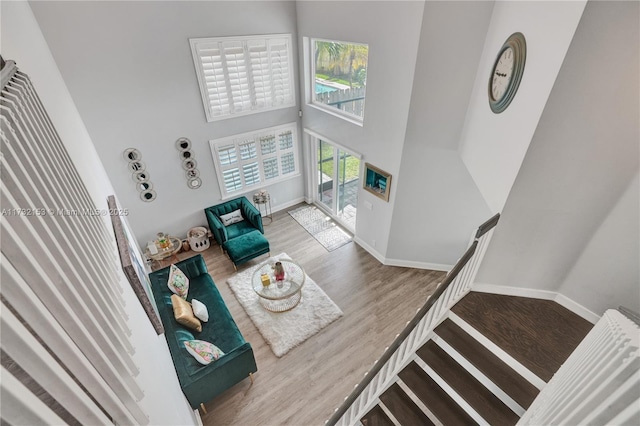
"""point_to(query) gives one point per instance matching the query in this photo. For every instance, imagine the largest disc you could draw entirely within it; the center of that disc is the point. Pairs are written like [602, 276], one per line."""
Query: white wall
[493, 145]
[392, 31]
[576, 197]
[610, 260]
[129, 68]
[23, 42]
[437, 203]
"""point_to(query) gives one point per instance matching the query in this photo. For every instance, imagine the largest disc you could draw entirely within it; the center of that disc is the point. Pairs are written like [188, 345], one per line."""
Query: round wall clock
[507, 72]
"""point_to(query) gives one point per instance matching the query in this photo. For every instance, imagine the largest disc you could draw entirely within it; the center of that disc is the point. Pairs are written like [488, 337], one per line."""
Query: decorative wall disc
[136, 166]
[148, 196]
[145, 186]
[189, 164]
[183, 144]
[132, 154]
[194, 183]
[192, 174]
[141, 176]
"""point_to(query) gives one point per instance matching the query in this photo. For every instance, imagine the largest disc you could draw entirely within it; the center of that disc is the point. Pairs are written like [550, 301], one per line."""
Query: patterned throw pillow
[178, 282]
[204, 352]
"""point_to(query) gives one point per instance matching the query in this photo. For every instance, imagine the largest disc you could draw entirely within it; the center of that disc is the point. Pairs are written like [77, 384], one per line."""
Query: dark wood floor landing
[540, 334]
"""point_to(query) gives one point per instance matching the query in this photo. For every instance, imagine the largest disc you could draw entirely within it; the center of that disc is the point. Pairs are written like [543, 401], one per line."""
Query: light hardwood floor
[304, 386]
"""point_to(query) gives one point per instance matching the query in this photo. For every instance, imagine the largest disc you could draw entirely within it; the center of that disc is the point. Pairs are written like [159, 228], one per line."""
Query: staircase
[484, 364]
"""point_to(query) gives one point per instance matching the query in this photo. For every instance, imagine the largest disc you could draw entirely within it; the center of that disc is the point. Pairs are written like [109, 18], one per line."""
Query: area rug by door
[321, 227]
[286, 330]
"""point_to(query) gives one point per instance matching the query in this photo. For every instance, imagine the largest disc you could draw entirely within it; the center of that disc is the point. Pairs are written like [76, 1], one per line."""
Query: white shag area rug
[321, 227]
[286, 330]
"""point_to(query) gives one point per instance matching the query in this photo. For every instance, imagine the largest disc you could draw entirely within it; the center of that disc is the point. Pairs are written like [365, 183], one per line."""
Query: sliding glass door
[338, 178]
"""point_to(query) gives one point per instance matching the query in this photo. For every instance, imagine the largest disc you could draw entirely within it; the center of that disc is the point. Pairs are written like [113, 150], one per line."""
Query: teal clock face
[507, 72]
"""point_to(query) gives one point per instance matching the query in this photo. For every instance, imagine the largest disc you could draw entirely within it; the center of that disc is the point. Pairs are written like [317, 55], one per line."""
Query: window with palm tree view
[340, 76]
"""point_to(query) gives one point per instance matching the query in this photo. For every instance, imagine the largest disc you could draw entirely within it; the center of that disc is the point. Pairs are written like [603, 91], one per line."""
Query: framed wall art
[133, 264]
[377, 181]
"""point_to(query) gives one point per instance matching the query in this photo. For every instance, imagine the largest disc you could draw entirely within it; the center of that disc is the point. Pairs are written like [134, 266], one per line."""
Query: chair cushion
[246, 247]
[240, 228]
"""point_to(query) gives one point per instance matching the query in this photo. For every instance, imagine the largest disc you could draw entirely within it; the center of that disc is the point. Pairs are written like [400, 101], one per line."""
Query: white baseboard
[370, 249]
[577, 308]
[198, 419]
[533, 293]
[397, 262]
[288, 204]
[514, 291]
[418, 265]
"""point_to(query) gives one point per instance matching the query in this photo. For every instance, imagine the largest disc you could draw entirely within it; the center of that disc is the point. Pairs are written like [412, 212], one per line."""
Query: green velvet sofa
[200, 383]
[243, 240]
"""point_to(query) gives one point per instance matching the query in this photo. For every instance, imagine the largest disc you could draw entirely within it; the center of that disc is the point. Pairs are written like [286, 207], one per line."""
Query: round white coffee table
[279, 296]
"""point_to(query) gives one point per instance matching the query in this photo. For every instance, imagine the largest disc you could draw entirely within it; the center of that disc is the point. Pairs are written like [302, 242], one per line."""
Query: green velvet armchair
[252, 219]
[243, 240]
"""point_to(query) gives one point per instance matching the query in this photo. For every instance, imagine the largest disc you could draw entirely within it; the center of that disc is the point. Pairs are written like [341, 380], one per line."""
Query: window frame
[199, 44]
[280, 154]
[311, 80]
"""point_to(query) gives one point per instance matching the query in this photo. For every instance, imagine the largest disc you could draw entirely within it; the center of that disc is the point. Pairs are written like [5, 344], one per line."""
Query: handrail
[7, 70]
[488, 225]
[418, 318]
[403, 335]
[632, 315]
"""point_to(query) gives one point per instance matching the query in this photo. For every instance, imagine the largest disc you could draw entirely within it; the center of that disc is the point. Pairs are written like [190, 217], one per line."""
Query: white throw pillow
[231, 218]
[200, 310]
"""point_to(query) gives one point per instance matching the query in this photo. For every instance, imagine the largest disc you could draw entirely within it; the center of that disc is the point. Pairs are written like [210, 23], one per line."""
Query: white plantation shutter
[251, 174]
[215, 86]
[248, 150]
[261, 74]
[237, 80]
[227, 154]
[232, 181]
[288, 163]
[244, 75]
[247, 160]
[280, 66]
[270, 166]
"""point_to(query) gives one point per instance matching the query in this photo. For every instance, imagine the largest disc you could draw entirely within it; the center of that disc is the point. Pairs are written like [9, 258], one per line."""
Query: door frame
[314, 139]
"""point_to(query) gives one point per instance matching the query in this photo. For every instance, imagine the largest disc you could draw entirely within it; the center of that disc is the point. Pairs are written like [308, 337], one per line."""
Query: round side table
[263, 199]
[169, 252]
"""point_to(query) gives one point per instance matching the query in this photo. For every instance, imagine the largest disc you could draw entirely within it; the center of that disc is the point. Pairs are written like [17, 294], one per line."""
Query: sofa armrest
[220, 375]
[252, 214]
[217, 228]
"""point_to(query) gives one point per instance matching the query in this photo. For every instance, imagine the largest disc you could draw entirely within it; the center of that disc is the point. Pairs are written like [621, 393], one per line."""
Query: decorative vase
[278, 271]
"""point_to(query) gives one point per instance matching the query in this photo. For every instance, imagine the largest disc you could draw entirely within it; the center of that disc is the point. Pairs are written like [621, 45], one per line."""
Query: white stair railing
[599, 383]
[454, 287]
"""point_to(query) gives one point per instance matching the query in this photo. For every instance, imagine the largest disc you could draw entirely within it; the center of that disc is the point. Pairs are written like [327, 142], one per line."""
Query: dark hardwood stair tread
[540, 334]
[492, 409]
[376, 417]
[403, 408]
[446, 410]
[506, 378]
